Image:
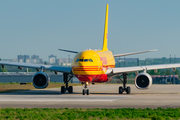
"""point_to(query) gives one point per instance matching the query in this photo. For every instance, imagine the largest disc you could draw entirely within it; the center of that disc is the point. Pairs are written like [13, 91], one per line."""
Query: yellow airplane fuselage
[91, 65]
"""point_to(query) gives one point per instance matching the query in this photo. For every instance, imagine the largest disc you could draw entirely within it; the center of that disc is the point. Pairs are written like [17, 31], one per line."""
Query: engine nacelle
[143, 81]
[40, 80]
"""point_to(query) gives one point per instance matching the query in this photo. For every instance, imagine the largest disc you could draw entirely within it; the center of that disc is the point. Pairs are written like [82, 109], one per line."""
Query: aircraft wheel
[87, 91]
[62, 89]
[120, 90]
[128, 90]
[70, 89]
[83, 92]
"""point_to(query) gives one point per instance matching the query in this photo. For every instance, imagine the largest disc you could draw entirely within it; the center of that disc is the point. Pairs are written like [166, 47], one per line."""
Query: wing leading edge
[125, 54]
[115, 71]
[38, 66]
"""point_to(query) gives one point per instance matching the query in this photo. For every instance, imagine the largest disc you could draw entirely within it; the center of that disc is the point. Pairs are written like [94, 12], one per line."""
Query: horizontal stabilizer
[68, 51]
[125, 54]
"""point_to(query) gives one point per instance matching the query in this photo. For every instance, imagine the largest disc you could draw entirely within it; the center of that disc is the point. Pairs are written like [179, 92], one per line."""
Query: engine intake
[40, 80]
[143, 81]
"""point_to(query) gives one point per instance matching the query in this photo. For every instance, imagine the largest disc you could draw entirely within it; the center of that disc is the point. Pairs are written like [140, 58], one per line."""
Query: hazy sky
[42, 26]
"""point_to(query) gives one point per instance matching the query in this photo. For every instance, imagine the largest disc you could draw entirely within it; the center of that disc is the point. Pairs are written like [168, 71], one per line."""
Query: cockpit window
[77, 60]
[84, 60]
[81, 60]
[90, 60]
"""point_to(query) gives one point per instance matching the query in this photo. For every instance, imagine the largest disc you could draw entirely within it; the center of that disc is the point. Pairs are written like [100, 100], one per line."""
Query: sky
[41, 27]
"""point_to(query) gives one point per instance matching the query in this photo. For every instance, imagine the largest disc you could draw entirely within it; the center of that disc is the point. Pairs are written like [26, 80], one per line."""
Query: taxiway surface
[101, 96]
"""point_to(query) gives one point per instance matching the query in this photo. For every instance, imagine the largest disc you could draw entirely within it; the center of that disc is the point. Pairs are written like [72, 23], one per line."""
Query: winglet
[106, 30]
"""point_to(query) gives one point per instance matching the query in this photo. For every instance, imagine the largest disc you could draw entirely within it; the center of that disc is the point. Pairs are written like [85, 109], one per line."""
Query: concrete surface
[101, 96]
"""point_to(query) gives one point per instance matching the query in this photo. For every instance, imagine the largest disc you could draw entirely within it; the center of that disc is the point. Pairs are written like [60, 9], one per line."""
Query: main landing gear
[124, 81]
[66, 80]
[85, 91]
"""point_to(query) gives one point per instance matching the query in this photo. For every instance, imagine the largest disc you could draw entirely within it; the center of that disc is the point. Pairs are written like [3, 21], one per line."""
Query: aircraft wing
[125, 54]
[68, 51]
[37, 66]
[120, 70]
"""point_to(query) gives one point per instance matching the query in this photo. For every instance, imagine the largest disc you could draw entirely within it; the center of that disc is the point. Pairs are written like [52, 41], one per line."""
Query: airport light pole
[170, 69]
[69, 60]
[70, 65]
[174, 71]
[137, 61]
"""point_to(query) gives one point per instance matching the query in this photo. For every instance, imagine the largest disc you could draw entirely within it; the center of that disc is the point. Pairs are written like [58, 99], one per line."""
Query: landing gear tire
[66, 79]
[70, 89]
[128, 90]
[87, 91]
[62, 89]
[124, 88]
[83, 92]
[120, 90]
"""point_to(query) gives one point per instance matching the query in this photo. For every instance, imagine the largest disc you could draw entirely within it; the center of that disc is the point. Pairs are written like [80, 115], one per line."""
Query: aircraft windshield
[84, 60]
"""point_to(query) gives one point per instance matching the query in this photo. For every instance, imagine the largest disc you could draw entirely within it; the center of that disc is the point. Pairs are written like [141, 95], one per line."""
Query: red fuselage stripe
[91, 68]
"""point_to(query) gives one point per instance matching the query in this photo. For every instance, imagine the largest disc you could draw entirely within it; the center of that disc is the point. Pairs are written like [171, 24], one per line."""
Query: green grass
[89, 114]
[12, 86]
[8, 83]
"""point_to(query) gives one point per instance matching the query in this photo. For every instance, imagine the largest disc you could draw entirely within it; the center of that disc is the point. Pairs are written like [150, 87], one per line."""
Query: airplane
[93, 66]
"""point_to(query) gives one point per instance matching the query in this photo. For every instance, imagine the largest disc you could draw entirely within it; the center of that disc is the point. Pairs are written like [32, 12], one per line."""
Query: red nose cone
[92, 78]
[84, 78]
[89, 78]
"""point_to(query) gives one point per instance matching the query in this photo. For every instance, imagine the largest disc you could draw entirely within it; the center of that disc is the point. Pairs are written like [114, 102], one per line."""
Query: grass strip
[10, 87]
[89, 114]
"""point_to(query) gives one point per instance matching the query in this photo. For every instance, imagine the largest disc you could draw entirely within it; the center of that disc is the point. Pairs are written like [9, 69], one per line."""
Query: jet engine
[40, 80]
[143, 81]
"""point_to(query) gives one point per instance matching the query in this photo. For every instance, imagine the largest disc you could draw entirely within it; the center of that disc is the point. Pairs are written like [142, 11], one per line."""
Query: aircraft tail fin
[106, 30]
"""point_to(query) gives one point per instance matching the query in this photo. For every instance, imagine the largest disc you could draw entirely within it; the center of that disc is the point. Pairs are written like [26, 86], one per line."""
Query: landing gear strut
[124, 81]
[85, 91]
[66, 80]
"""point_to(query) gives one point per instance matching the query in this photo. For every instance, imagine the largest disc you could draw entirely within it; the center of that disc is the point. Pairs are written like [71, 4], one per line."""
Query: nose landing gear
[85, 91]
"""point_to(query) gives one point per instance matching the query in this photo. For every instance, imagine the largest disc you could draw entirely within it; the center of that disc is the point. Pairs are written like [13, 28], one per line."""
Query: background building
[36, 59]
[52, 59]
[23, 58]
[27, 59]
[64, 61]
